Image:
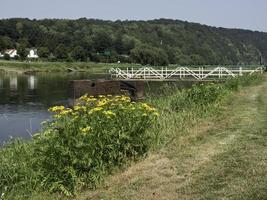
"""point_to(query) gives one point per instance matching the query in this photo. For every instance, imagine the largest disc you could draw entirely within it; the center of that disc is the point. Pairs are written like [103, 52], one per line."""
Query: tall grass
[183, 108]
[84, 144]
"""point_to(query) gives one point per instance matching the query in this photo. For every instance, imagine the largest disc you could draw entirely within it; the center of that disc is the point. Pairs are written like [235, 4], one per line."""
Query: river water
[24, 100]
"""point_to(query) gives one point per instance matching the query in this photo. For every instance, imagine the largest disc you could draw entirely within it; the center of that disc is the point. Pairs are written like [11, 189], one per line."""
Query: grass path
[221, 158]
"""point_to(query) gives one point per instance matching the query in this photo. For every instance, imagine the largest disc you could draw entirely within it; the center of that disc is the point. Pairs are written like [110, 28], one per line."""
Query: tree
[118, 44]
[6, 56]
[102, 40]
[5, 43]
[78, 54]
[22, 52]
[61, 52]
[149, 55]
[128, 44]
[43, 52]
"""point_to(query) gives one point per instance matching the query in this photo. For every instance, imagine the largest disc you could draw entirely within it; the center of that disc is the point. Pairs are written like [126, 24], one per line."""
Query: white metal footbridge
[182, 73]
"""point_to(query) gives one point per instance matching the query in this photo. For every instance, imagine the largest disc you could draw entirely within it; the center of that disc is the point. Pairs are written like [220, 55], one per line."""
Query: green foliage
[148, 55]
[6, 56]
[43, 52]
[203, 95]
[183, 43]
[17, 170]
[5, 43]
[78, 54]
[22, 52]
[61, 52]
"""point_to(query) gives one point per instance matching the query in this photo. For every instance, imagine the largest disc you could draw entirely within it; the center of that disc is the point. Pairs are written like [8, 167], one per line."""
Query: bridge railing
[149, 73]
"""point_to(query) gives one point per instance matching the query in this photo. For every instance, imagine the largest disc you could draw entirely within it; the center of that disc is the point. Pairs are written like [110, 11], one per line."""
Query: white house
[11, 52]
[32, 53]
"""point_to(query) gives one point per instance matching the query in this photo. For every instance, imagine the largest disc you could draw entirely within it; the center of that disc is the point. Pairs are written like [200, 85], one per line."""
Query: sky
[246, 14]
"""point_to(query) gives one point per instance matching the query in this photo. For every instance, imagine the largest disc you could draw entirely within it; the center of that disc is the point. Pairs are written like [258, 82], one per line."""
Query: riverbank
[193, 128]
[32, 67]
[222, 156]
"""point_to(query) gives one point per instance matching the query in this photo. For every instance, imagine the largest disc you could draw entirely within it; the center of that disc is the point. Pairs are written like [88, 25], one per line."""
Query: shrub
[84, 143]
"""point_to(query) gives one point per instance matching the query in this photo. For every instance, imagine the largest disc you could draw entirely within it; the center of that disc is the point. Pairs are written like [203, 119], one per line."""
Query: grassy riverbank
[220, 156]
[28, 67]
[198, 151]
[36, 66]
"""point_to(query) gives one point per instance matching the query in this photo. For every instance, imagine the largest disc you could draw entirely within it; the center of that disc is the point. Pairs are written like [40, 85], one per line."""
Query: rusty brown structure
[78, 88]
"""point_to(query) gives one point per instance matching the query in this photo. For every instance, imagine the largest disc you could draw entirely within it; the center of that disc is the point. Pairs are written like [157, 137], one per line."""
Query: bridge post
[240, 71]
[145, 73]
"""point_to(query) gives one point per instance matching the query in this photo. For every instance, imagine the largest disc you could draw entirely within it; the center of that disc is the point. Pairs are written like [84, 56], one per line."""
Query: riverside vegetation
[84, 144]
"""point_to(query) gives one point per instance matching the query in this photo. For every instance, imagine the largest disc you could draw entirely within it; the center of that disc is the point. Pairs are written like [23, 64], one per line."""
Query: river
[24, 100]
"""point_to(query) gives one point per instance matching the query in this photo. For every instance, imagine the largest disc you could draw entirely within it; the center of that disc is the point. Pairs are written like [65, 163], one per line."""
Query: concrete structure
[78, 88]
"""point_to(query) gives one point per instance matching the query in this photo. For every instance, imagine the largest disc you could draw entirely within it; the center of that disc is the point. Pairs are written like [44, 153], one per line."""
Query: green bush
[80, 146]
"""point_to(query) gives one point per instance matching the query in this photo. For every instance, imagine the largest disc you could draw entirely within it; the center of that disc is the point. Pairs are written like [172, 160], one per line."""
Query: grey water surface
[24, 100]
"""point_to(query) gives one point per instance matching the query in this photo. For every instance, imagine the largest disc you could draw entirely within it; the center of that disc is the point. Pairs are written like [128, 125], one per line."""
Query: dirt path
[221, 158]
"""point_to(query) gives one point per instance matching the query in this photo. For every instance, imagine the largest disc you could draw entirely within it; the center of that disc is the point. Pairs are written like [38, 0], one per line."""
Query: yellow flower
[95, 110]
[56, 108]
[102, 103]
[148, 108]
[79, 108]
[109, 113]
[65, 112]
[126, 99]
[85, 130]
[91, 99]
[156, 114]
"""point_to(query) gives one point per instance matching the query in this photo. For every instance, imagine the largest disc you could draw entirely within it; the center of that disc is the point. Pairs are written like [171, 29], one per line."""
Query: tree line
[154, 42]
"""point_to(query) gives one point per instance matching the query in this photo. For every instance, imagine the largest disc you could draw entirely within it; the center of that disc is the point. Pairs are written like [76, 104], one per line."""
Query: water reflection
[24, 100]
[32, 82]
[1, 83]
[13, 81]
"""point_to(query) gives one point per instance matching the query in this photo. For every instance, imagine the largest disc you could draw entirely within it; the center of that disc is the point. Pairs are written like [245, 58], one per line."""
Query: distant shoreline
[34, 67]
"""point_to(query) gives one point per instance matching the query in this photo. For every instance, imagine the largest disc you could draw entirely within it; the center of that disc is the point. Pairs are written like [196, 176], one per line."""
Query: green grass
[59, 66]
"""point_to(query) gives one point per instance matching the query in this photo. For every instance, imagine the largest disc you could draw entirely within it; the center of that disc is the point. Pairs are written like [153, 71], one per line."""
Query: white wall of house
[32, 54]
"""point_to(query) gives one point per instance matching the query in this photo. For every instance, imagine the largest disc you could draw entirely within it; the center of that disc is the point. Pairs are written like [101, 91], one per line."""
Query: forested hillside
[155, 42]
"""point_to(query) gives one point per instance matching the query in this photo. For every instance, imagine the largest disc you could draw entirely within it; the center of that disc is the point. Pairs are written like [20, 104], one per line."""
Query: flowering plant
[82, 143]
